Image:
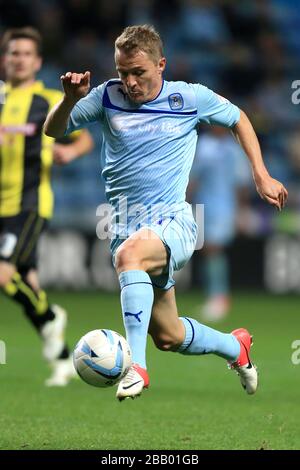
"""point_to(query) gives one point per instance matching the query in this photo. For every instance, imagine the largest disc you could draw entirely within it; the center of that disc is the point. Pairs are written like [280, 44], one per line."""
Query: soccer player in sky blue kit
[149, 141]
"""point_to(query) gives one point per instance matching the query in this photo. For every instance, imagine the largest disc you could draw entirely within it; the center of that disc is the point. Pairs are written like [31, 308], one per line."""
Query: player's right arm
[76, 86]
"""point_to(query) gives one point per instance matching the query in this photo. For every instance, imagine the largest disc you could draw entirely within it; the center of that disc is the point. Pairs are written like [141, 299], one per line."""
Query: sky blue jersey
[148, 148]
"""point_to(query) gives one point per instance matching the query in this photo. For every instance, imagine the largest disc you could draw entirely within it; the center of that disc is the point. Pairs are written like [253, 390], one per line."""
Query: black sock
[65, 353]
[35, 304]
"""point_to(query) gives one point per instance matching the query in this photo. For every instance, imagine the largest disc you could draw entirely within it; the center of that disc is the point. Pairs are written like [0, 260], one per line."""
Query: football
[102, 358]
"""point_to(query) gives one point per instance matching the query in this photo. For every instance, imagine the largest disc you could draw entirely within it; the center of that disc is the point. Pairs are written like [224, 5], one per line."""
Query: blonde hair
[141, 38]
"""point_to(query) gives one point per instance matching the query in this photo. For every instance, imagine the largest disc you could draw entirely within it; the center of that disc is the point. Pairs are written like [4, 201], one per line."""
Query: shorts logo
[8, 243]
[175, 101]
[2, 92]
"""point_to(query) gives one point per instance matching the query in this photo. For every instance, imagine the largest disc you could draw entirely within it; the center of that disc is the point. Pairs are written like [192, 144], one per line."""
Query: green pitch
[193, 402]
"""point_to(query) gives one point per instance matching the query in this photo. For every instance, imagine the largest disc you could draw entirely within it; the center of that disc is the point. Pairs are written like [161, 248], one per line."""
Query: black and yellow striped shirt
[25, 151]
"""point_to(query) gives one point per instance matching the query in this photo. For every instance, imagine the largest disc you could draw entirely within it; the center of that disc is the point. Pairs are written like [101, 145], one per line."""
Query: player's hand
[271, 191]
[76, 85]
[63, 154]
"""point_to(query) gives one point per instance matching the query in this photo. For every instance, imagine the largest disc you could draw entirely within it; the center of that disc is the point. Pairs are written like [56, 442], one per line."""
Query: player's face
[140, 75]
[21, 61]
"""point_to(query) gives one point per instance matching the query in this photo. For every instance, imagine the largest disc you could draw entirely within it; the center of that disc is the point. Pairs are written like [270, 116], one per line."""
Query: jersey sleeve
[88, 109]
[215, 109]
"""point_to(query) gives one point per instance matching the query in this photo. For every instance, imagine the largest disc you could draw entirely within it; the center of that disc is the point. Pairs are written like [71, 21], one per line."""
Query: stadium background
[248, 51]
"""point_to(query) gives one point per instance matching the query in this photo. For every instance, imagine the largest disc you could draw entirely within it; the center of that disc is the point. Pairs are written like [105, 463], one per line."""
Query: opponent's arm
[76, 86]
[267, 187]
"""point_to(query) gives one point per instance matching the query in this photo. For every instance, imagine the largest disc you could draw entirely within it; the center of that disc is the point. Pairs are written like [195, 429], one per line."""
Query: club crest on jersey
[175, 101]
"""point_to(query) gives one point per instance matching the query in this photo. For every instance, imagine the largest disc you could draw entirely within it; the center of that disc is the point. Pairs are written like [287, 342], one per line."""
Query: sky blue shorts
[219, 226]
[178, 232]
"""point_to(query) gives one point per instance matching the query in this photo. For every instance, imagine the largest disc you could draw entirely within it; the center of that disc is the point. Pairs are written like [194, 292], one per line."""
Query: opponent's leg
[49, 321]
[17, 257]
[34, 302]
[55, 349]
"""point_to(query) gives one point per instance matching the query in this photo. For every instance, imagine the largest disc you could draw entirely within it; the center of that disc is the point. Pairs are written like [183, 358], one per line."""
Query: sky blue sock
[136, 300]
[201, 339]
[216, 274]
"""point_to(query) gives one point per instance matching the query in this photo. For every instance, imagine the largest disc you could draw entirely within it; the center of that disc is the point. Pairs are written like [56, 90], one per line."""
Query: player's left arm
[81, 145]
[267, 187]
[214, 109]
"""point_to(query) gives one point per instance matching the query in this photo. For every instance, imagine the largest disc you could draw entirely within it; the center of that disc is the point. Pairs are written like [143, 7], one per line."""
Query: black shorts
[19, 236]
